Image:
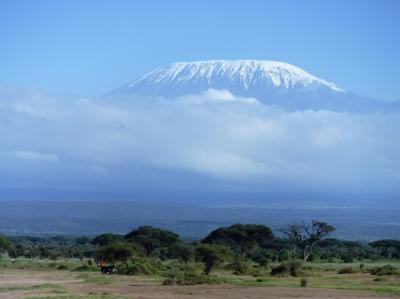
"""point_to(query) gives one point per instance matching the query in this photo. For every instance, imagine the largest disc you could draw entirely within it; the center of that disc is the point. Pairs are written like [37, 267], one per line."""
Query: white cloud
[215, 95]
[215, 135]
[34, 156]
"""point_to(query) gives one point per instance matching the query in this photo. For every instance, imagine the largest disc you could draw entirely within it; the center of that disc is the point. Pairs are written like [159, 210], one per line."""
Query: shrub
[259, 271]
[347, 270]
[182, 252]
[211, 255]
[264, 262]
[189, 276]
[241, 266]
[144, 266]
[303, 282]
[168, 282]
[385, 270]
[287, 268]
[347, 258]
[62, 267]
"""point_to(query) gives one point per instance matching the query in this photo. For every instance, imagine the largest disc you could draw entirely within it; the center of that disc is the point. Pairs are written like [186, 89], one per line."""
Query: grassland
[35, 278]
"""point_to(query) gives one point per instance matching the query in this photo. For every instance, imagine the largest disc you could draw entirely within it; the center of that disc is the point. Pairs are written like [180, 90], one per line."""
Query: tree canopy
[211, 255]
[117, 252]
[107, 239]
[241, 238]
[152, 238]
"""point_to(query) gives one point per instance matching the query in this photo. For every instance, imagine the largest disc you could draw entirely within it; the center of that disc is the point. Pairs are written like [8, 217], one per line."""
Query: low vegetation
[238, 254]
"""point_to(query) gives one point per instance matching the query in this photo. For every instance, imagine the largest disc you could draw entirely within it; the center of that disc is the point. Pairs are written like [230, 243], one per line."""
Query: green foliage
[251, 245]
[142, 266]
[241, 266]
[62, 267]
[52, 247]
[107, 239]
[387, 248]
[241, 238]
[151, 238]
[182, 252]
[117, 252]
[211, 255]
[384, 270]
[189, 275]
[347, 270]
[292, 268]
[303, 282]
[5, 244]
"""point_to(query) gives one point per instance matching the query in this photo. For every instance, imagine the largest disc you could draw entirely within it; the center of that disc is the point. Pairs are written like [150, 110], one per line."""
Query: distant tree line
[237, 243]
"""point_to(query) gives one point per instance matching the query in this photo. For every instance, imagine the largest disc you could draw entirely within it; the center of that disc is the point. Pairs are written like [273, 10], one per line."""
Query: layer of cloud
[33, 156]
[213, 137]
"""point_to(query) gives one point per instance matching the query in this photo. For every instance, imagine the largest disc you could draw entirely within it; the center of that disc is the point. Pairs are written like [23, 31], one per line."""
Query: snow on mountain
[270, 82]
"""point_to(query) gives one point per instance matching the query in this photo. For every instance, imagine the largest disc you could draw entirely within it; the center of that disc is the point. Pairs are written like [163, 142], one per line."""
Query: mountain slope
[270, 82]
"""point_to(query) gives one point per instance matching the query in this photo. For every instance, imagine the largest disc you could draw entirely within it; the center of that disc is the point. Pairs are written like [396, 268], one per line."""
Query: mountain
[270, 82]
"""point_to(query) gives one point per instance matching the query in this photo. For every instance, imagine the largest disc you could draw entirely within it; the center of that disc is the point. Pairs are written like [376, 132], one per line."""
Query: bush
[62, 267]
[385, 270]
[241, 266]
[144, 266]
[190, 277]
[211, 255]
[264, 262]
[303, 282]
[168, 282]
[347, 270]
[287, 268]
[347, 258]
[260, 271]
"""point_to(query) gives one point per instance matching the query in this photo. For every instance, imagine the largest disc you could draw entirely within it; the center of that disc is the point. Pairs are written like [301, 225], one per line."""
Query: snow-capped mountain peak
[268, 82]
[221, 74]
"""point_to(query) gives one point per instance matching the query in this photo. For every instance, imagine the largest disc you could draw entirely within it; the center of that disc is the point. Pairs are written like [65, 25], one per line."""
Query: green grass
[38, 264]
[318, 274]
[325, 276]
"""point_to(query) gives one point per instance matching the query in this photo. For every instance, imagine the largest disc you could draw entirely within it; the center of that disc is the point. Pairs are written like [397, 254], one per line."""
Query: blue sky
[90, 47]
[63, 139]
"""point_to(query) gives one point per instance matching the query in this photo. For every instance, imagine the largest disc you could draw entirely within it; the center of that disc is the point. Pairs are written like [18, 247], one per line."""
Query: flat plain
[30, 281]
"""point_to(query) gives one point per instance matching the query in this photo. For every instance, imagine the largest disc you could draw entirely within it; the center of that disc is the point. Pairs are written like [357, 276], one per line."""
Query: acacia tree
[152, 238]
[241, 238]
[306, 236]
[117, 252]
[107, 239]
[211, 255]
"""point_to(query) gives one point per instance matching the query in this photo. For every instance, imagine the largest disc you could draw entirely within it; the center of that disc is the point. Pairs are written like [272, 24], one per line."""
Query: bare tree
[306, 236]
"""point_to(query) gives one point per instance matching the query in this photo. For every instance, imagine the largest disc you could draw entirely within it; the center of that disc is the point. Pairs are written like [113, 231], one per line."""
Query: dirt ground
[15, 283]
